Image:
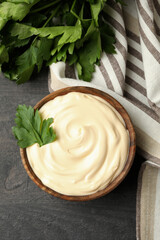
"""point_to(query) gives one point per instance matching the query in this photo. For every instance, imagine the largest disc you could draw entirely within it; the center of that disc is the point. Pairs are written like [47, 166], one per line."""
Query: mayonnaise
[91, 147]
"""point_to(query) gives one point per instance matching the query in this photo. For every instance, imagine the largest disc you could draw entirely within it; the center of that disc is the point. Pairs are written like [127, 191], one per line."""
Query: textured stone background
[28, 213]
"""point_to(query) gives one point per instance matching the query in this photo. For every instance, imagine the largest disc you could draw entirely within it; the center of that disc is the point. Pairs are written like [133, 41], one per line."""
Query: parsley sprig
[30, 128]
[34, 32]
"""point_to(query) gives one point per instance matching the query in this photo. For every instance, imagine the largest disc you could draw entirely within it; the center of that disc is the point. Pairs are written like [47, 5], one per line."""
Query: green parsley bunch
[34, 32]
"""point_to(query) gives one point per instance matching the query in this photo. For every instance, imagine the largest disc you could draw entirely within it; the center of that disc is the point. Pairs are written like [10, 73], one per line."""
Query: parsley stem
[73, 13]
[34, 3]
[46, 6]
[52, 15]
[38, 137]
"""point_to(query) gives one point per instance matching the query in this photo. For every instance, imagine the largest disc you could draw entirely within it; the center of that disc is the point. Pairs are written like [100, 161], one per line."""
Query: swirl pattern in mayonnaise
[91, 147]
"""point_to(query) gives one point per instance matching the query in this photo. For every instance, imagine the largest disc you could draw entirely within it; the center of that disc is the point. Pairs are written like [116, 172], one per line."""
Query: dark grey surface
[28, 213]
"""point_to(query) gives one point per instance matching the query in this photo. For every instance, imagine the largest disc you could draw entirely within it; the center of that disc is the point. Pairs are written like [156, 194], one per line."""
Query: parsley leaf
[107, 39]
[4, 57]
[9, 10]
[89, 56]
[30, 128]
[69, 33]
[15, 10]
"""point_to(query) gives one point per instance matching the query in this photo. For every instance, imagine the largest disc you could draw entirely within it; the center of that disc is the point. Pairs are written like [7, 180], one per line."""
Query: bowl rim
[131, 154]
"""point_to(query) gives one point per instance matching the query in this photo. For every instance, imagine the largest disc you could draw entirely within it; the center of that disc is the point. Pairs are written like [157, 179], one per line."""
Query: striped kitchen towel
[132, 76]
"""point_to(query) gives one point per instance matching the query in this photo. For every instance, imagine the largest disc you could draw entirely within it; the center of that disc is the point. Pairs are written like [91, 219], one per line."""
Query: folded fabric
[132, 76]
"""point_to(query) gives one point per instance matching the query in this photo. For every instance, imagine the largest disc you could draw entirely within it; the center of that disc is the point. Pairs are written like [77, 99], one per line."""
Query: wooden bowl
[131, 154]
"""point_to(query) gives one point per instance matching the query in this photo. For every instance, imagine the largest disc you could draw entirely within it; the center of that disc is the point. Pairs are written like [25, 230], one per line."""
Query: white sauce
[91, 147]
